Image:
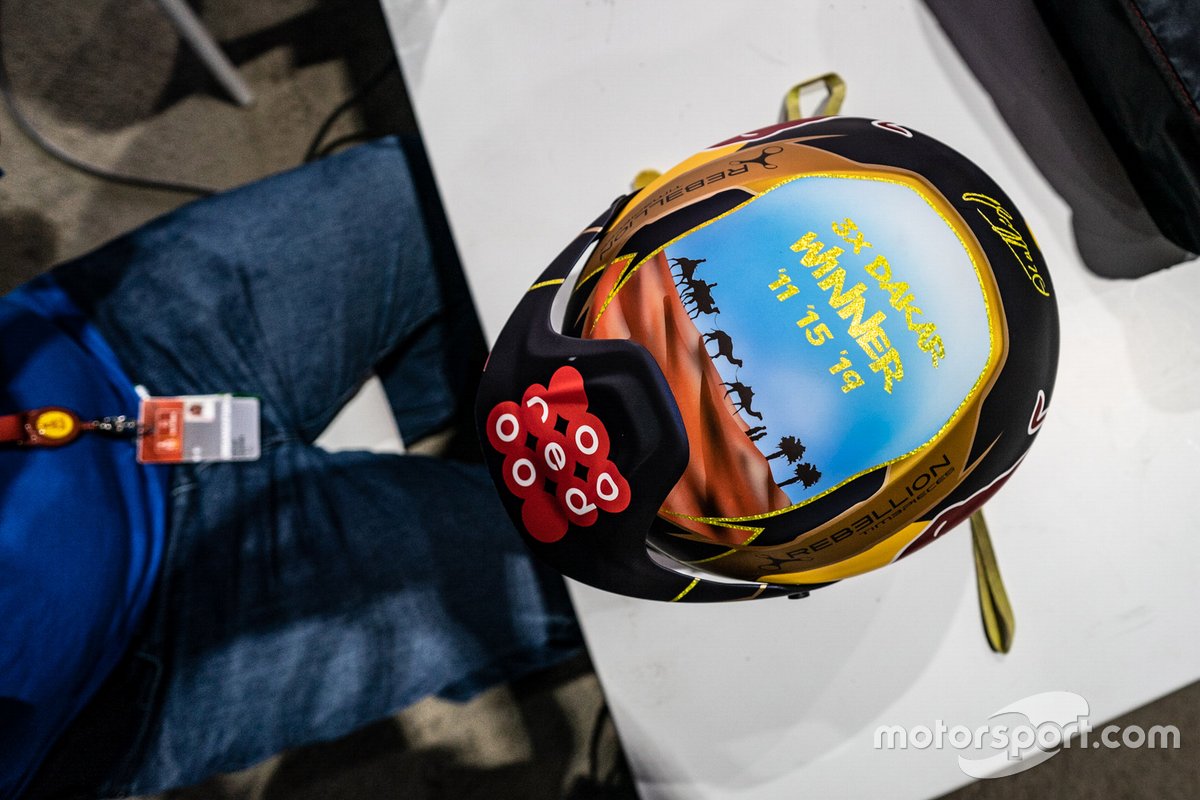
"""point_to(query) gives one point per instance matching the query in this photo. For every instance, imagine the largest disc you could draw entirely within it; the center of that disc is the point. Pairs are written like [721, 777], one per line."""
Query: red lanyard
[54, 426]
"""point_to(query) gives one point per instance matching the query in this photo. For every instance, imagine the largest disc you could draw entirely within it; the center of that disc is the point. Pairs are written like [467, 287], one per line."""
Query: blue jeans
[308, 593]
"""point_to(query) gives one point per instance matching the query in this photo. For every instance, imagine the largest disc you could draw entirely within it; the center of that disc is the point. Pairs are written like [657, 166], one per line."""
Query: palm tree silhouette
[806, 473]
[791, 447]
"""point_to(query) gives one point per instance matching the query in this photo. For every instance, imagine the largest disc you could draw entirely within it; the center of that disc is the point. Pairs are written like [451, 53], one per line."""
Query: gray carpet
[109, 81]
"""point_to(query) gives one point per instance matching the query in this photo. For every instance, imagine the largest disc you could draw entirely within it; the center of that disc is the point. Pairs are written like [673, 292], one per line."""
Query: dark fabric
[1138, 64]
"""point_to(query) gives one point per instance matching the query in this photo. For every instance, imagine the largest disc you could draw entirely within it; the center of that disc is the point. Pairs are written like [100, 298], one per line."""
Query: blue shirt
[82, 528]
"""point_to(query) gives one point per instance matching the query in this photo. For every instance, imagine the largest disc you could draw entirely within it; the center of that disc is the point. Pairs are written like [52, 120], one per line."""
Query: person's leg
[293, 289]
[431, 379]
[308, 593]
[326, 590]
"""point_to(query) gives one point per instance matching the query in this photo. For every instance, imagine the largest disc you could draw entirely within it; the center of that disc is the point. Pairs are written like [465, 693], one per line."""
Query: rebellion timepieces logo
[556, 457]
[763, 159]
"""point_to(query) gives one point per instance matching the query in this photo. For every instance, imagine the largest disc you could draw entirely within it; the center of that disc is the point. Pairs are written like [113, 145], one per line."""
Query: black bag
[1137, 62]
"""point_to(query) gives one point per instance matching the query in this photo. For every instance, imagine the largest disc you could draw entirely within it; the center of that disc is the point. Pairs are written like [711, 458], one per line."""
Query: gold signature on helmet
[1007, 231]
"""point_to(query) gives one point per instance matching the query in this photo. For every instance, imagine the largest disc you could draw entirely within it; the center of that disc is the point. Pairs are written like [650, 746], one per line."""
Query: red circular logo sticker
[556, 457]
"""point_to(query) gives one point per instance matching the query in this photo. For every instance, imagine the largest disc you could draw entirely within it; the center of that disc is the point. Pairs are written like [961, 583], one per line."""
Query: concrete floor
[109, 81]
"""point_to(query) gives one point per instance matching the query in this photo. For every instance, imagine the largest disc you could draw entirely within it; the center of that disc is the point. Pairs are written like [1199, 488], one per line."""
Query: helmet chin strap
[835, 95]
[999, 624]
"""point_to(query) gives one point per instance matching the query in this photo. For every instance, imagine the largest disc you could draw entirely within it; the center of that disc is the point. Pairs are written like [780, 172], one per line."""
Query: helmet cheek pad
[584, 441]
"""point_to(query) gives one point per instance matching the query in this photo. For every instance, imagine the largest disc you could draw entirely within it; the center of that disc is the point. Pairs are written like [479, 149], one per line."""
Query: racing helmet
[799, 355]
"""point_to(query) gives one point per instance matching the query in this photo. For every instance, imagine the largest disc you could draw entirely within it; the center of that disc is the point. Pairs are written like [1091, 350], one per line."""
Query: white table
[536, 113]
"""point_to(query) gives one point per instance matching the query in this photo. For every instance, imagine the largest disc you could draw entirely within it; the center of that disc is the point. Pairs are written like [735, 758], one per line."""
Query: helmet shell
[856, 333]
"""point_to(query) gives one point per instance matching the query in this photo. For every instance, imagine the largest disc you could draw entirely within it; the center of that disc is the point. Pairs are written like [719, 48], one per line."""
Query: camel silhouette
[687, 266]
[745, 397]
[724, 346]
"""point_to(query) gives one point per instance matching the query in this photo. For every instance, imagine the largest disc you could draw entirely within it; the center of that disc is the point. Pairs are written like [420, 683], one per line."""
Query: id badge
[198, 428]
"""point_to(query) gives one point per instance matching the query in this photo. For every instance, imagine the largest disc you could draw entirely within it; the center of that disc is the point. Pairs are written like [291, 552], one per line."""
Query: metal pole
[192, 30]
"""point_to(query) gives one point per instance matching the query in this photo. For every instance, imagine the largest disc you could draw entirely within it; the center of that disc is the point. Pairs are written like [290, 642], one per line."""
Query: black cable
[315, 149]
[60, 154]
[342, 141]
